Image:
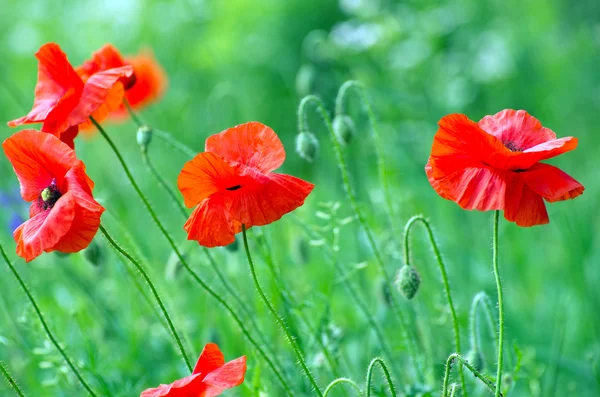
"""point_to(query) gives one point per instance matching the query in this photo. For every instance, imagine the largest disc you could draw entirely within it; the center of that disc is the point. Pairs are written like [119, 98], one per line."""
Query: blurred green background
[229, 62]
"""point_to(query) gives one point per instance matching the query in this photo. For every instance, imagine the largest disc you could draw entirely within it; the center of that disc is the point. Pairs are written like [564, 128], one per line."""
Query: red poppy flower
[495, 165]
[231, 184]
[64, 101]
[63, 215]
[210, 377]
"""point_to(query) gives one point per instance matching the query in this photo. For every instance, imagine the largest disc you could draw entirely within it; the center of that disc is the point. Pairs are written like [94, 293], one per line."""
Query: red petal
[107, 57]
[252, 144]
[203, 176]
[57, 91]
[228, 376]
[37, 159]
[43, 231]
[551, 183]
[150, 80]
[210, 359]
[189, 386]
[523, 205]
[473, 188]
[516, 127]
[543, 151]
[211, 225]
[263, 199]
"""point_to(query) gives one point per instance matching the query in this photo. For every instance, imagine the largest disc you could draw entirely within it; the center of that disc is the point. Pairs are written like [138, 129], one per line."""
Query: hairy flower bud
[94, 253]
[475, 358]
[305, 80]
[307, 146]
[408, 281]
[343, 128]
[144, 136]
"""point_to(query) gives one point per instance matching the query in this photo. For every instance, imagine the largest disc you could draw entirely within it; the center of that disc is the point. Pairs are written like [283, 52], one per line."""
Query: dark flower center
[49, 196]
[510, 145]
[236, 187]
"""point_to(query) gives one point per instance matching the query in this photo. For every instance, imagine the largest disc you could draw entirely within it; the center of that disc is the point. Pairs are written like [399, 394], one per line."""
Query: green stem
[163, 309]
[442, 267]
[477, 374]
[185, 264]
[12, 383]
[500, 305]
[302, 126]
[163, 183]
[453, 389]
[277, 317]
[386, 373]
[137, 120]
[340, 381]
[483, 301]
[45, 325]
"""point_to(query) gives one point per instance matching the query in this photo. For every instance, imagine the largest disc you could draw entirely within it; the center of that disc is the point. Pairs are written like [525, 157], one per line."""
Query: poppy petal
[57, 91]
[37, 159]
[524, 206]
[150, 80]
[516, 129]
[189, 386]
[107, 57]
[210, 224]
[552, 183]
[43, 231]
[473, 188]
[251, 144]
[263, 199]
[543, 151]
[203, 176]
[227, 376]
[210, 359]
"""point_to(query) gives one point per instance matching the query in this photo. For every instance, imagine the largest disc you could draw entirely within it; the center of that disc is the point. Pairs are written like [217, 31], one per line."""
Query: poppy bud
[233, 247]
[408, 281]
[305, 80]
[475, 358]
[173, 266]
[144, 136]
[94, 253]
[307, 146]
[343, 128]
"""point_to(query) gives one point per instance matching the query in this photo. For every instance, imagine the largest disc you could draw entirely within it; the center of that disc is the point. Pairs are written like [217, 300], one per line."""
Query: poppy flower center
[236, 187]
[510, 145]
[49, 196]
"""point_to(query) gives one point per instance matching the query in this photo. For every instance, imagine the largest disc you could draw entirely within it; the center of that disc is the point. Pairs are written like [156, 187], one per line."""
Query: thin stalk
[483, 301]
[163, 309]
[386, 374]
[453, 389]
[477, 374]
[302, 126]
[500, 304]
[134, 116]
[163, 183]
[341, 381]
[438, 256]
[278, 318]
[12, 383]
[45, 325]
[185, 264]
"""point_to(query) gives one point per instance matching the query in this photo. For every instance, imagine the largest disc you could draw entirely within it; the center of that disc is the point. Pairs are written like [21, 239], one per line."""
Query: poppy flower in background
[64, 101]
[210, 377]
[63, 214]
[495, 165]
[232, 183]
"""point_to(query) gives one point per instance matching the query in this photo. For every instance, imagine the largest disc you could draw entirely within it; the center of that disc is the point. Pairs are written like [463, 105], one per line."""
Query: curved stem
[163, 183]
[340, 381]
[500, 304]
[137, 120]
[477, 374]
[442, 267]
[163, 309]
[483, 301]
[386, 373]
[185, 264]
[302, 126]
[277, 317]
[453, 389]
[339, 109]
[45, 325]
[12, 383]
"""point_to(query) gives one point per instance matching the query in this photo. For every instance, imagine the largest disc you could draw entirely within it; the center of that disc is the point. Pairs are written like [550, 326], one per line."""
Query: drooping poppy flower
[63, 214]
[232, 183]
[64, 101]
[495, 165]
[210, 377]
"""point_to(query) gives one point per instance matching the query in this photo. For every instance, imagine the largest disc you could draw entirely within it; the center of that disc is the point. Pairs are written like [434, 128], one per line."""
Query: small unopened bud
[94, 253]
[408, 281]
[144, 136]
[307, 146]
[305, 80]
[343, 128]
[475, 358]
[233, 247]
[173, 266]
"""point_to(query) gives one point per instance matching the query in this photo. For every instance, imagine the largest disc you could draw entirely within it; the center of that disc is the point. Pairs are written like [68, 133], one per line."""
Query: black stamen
[236, 187]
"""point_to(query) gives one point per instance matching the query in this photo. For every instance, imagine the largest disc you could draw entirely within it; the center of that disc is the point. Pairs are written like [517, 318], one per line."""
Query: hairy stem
[481, 300]
[477, 374]
[500, 304]
[12, 383]
[386, 374]
[45, 325]
[341, 381]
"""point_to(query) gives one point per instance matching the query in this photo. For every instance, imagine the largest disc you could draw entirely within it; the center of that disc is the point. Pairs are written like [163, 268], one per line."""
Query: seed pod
[408, 281]
[475, 358]
[94, 253]
[343, 128]
[144, 136]
[307, 146]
